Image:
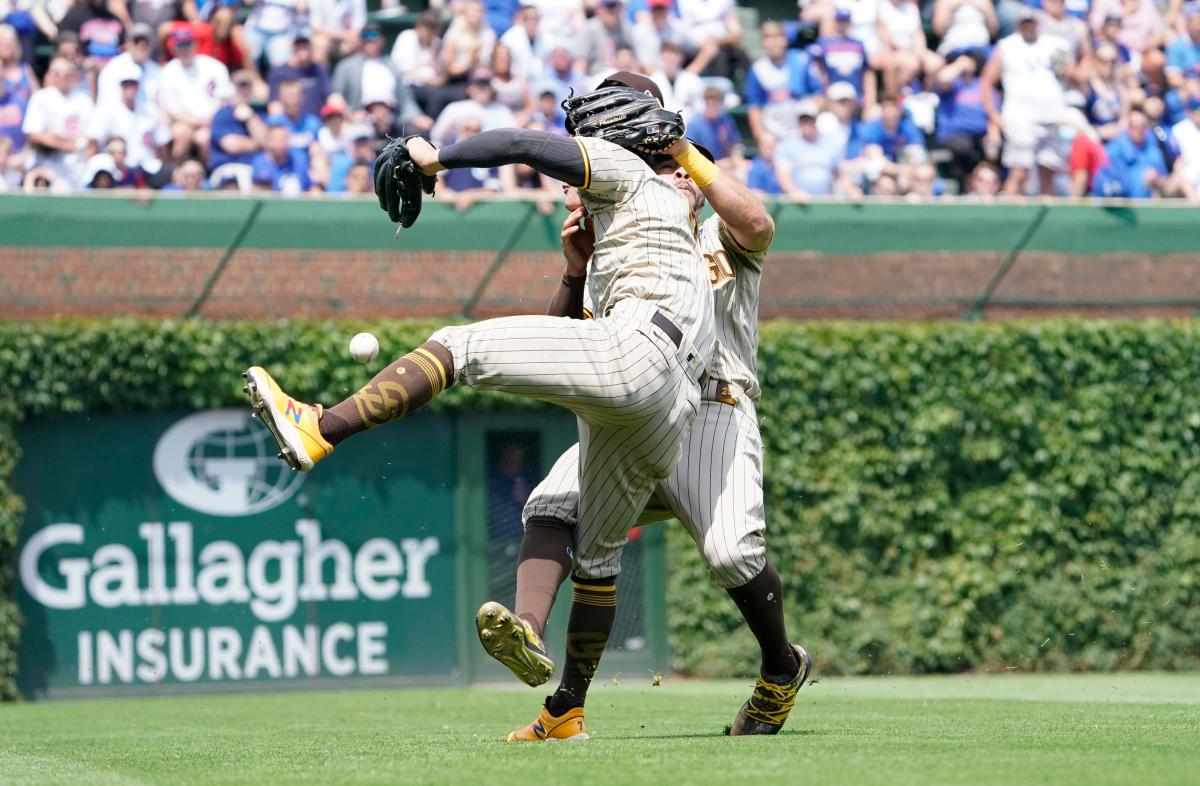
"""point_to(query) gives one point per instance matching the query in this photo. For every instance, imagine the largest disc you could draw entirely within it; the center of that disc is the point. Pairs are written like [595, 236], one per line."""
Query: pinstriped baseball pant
[625, 381]
[715, 491]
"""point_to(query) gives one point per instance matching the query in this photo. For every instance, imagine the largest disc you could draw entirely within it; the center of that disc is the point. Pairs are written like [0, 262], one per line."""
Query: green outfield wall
[274, 258]
[940, 496]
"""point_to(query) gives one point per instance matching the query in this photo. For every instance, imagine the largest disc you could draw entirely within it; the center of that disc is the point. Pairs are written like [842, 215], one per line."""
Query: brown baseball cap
[638, 82]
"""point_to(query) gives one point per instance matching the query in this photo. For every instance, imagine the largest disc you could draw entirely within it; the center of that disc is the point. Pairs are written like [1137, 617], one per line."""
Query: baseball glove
[398, 183]
[624, 116]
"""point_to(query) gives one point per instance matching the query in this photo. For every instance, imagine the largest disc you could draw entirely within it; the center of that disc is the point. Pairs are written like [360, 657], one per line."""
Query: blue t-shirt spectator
[14, 97]
[960, 110]
[875, 133]
[761, 177]
[302, 132]
[1127, 165]
[811, 164]
[768, 83]
[719, 135]
[499, 14]
[314, 81]
[842, 60]
[224, 124]
[288, 177]
[1183, 53]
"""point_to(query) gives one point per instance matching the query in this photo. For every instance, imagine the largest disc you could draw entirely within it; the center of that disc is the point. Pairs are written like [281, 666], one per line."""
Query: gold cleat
[292, 423]
[511, 641]
[768, 706]
[548, 728]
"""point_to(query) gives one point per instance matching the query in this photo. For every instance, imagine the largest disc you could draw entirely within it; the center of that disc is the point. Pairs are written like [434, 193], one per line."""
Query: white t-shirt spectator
[864, 15]
[378, 83]
[195, 90]
[108, 83]
[1187, 138]
[341, 15]
[527, 56]
[704, 19]
[684, 93]
[143, 132]
[49, 111]
[810, 165]
[901, 21]
[1032, 92]
[494, 115]
[967, 30]
[273, 16]
[561, 16]
[418, 65]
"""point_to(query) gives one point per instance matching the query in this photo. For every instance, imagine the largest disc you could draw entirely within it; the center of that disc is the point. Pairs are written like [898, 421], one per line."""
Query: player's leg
[515, 637]
[716, 491]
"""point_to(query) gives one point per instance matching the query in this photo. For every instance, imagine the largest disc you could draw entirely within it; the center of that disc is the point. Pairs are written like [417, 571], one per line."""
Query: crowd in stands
[846, 98]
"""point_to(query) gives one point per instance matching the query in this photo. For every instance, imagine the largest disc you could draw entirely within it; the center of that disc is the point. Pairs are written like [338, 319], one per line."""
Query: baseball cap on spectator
[842, 15]
[480, 76]
[841, 91]
[1026, 14]
[140, 31]
[303, 36]
[714, 92]
[1111, 18]
[332, 110]
[807, 108]
[183, 37]
[638, 82]
[652, 4]
[127, 71]
[387, 99]
[98, 164]
[371, 32]
[610, 3]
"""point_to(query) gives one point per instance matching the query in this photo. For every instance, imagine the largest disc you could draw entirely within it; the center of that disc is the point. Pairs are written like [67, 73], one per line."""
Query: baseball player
[716, 490]
[631, 375]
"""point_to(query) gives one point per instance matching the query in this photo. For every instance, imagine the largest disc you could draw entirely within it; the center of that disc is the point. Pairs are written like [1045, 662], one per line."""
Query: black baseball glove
[398, 183]
[624, 116]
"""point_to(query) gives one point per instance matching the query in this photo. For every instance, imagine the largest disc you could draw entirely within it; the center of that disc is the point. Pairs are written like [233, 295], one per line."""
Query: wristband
[701, 170]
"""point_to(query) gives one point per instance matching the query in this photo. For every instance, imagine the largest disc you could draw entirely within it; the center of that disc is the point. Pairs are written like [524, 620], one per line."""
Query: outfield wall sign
[175, 550]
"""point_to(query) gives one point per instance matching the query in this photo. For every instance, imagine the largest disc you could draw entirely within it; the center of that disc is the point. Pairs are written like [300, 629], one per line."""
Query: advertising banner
[167, 550]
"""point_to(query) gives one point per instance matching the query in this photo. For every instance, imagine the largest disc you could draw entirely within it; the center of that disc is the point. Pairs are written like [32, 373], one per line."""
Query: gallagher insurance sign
[167, 550]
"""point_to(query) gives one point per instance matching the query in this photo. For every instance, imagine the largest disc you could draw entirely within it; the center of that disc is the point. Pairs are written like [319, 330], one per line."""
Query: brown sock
[544, 562]
[761, 603]
[593, 611]
[400, 389]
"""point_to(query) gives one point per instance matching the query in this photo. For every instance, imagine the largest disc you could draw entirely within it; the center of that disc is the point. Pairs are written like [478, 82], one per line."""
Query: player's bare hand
[424, 155]
[578, 242]
[677, 147]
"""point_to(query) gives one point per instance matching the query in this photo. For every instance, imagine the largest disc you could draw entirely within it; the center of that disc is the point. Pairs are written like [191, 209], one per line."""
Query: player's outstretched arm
[559, 157]
[744, 214]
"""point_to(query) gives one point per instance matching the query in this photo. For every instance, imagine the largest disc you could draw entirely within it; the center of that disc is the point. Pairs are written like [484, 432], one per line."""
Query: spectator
[468, 184]
[190, 88]
[856, 19]
[511, 90]
[126, 175]
[1175, 101]
[48, 14]
[312, 76]
[499, 14]
[1109, 33]
[359, 181]
[564, 17]
[660, 27]
[54, 125]
[468, 43]
[1024, 65]
[18, 15]
[238, 133]
[1185, 136]
[527, 42]
[480, 105]
[560, 71]
[100, 172]
[902, 38]
[17, 85]
[716, 35]
[382, 119]
[840, 120]
[964, 25]
[1087, 155]
[158, 14]
[98, 28]
[361, 152]
[921, 183]
[135, 121]
[962, 123]
[416, 57]
[270, 28]
[983, 184]
[1138, 24]
[1055, 22]
[334, 136]
[139, 49]
[188, 176]
[682, 90]
[775, 82]
[303, 129]
[1108, 100]
[1136, 169]
[842, 58]
[368, 76]
[760, 176]
[227, 39]
[1184, 52]
[894, 134]
[714, 128]
[806, 164]
[602, 36]
[336, 28]
[277, 168]
[547, 113]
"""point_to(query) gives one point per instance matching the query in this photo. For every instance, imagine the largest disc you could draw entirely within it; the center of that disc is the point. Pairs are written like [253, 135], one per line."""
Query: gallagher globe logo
[222, 463]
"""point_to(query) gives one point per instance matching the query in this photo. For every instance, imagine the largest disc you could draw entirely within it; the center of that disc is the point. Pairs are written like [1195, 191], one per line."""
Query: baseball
[364, 347]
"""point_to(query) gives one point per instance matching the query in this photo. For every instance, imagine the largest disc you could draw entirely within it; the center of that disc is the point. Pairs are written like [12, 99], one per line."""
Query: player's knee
[729, 568]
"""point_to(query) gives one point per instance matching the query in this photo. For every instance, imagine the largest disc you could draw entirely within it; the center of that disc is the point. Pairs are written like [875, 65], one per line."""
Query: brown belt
[724, 394]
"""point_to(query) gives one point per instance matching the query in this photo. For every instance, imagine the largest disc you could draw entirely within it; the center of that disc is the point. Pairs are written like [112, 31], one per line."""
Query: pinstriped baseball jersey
[735, 273]
[644, 247]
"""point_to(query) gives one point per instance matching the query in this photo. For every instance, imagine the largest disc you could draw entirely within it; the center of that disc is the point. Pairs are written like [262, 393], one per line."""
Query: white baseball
[364, 347]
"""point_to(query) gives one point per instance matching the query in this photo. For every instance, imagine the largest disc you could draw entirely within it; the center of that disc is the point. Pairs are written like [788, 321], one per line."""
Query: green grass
[1003, 729]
